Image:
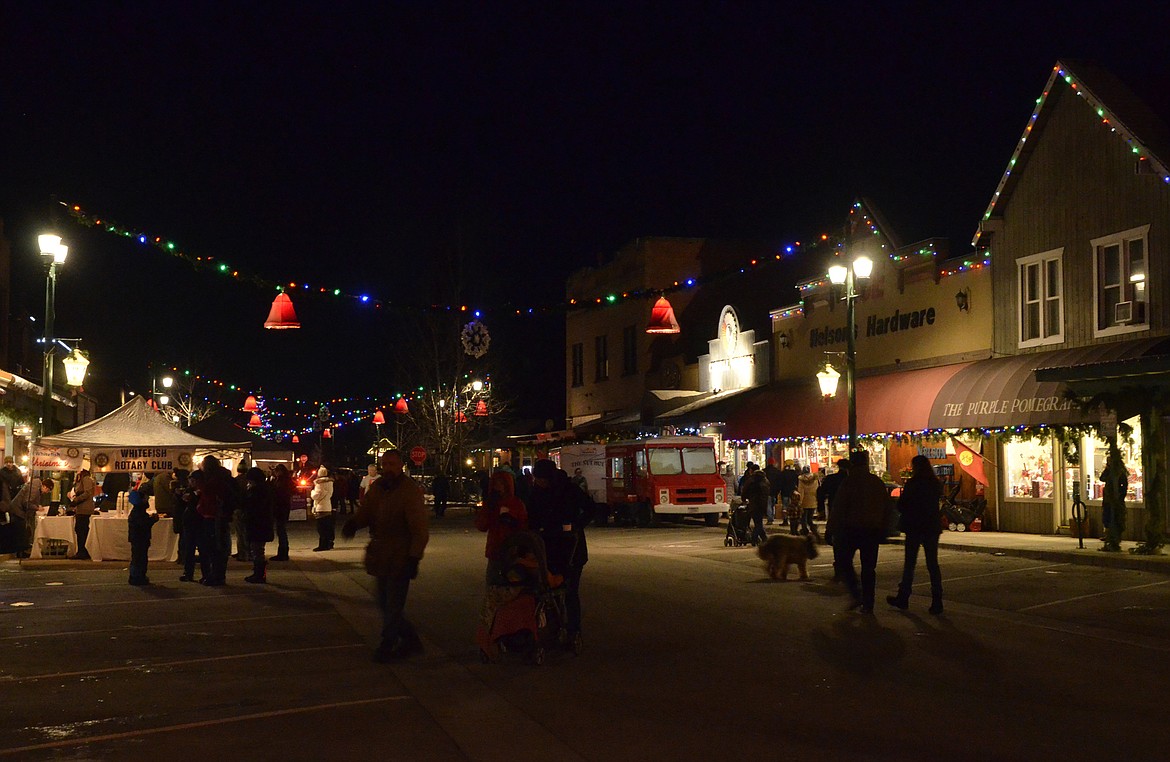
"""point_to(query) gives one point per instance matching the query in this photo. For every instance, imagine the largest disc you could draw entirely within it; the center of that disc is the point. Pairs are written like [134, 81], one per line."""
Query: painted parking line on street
[998, 573]
[73, 604]
[201, 724]
[177, 663]
[133, 627]
[1093, 595]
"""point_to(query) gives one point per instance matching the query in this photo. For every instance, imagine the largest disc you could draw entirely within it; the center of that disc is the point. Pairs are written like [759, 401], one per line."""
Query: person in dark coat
[772, 474]
[139, 525]
[857, 525]
[755, 491]
[919, 505]
[282, 495]
[258, 517]
[186, 490]
[559, 512]
[441, 490]
[827, 492]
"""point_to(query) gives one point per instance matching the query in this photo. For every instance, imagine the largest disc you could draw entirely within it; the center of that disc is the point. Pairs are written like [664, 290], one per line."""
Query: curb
[1159, 564]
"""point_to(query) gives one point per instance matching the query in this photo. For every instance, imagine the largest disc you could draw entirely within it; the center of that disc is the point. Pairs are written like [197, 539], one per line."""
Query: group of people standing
[800, 497]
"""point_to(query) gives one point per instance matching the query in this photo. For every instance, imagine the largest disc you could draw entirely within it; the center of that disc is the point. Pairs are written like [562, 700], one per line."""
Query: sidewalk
[1058, 548]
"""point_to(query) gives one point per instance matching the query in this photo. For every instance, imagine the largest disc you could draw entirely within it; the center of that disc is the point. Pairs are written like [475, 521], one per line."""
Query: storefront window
[1029, 468]
[1093, 454]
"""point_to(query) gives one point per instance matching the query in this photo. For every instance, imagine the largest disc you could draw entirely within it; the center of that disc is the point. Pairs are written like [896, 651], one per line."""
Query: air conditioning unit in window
[1125, 313]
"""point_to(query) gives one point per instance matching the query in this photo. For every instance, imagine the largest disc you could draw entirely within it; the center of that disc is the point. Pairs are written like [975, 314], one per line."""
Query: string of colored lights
[1061, 73]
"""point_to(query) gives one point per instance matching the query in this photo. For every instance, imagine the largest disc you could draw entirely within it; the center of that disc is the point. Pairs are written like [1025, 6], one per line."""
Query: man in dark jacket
[789, 479]
[754, 489]
[559, 512]
[827, 492]
[857, 524]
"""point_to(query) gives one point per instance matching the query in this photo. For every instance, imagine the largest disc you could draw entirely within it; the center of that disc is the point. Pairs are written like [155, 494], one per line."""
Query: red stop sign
[418, 455]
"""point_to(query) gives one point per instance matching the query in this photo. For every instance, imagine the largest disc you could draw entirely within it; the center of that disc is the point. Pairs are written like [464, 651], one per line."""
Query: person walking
[139, 525]
[218, 501]
[282, 495]
[82, 507]
[857, 525]
[807, 485]
[258, 510]
[322, 497]
[827, 492]
[755, 490]
[559, 512]
[919, 505]
[789, 480]
[394, 510]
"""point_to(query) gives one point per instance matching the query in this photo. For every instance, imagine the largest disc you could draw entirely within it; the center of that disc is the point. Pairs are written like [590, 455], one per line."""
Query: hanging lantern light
[481, 408]
[662, 318]
[327, 434]
[250, 405]
[255, 421]
[75, 365]
[828, 379]
[401, 407]
[282, 314]
[379, 419]
[296, 439]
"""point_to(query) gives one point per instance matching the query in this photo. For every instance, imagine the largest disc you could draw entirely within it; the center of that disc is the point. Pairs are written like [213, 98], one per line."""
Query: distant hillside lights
[874, 326]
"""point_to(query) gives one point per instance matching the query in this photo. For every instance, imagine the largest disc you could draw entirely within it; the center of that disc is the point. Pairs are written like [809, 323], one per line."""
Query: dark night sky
[375, 147]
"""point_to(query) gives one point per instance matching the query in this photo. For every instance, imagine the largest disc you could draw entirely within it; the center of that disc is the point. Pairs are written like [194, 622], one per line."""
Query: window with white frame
[1041, 298]
[1121, 262]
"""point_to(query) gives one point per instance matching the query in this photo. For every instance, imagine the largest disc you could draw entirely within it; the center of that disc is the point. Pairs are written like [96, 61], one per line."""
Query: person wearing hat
[322, 497]
[139, 525]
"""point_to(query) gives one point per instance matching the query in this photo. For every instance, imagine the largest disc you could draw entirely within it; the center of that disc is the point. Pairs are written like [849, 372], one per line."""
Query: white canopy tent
[134, 426]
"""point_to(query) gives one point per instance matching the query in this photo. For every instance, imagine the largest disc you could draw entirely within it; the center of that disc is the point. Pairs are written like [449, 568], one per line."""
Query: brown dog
[781, 550]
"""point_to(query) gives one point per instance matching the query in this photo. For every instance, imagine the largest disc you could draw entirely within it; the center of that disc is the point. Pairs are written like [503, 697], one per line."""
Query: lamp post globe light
[847, 275]
[54, 253]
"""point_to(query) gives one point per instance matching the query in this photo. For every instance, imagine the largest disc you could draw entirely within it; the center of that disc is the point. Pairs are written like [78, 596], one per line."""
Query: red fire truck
[668, 476]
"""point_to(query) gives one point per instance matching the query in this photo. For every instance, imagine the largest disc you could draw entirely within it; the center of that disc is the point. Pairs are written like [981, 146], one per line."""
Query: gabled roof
[134, 425]
[1120, 111]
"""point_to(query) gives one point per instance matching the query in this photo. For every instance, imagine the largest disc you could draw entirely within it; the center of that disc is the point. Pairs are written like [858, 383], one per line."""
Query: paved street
[690, 653]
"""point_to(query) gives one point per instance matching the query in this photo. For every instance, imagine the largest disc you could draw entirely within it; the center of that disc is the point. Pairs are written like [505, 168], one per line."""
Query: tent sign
[146, 459]
[55, 458]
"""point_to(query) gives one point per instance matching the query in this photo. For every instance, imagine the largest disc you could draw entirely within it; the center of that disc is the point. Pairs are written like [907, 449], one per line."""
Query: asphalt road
[689, 653]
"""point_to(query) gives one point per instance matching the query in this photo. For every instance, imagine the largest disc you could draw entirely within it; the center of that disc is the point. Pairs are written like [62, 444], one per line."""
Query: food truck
[590, 458]
[666, 476]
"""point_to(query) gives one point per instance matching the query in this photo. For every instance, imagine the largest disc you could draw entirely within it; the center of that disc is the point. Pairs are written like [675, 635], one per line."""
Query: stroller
[524, 607]
[958, 514]
[738, 527]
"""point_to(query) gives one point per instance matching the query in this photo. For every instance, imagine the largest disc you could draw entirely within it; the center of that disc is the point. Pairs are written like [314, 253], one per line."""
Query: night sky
[477, 153]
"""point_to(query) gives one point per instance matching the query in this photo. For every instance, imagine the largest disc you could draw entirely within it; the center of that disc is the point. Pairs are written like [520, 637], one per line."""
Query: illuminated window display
[1028, 470]
[1093, 455]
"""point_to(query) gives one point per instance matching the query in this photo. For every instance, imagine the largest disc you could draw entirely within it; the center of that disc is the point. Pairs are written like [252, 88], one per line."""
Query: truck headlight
[663, 496]
[718, 494]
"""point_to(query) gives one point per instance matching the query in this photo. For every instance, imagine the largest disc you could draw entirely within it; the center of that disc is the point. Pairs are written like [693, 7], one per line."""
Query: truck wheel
[711, 519]
[644, 516]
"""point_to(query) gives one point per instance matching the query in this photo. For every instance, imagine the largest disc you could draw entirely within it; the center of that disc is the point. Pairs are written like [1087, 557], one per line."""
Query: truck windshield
[665, 461]
[699, 460]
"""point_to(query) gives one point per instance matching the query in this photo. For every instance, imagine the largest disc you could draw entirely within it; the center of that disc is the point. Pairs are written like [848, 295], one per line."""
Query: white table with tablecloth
[53, 528]
[108, 539]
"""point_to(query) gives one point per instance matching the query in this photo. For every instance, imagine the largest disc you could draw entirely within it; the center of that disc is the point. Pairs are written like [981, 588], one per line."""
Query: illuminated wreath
[475, 339]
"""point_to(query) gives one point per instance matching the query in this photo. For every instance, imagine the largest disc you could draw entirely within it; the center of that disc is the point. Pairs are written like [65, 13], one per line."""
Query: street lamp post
[861, 267]
[54, 253]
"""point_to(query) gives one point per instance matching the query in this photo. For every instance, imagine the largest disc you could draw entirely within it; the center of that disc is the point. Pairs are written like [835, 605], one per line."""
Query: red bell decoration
[255, 421]
[282, 314]
[152, 405]
[662, 318]
[296, 439]
[327, 434]
[250, 405]
[379, 418]
[400, 406]
[460, 417]
[481, 408]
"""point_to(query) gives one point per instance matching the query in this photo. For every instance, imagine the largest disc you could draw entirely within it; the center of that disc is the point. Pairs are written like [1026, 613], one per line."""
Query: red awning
[888, 403]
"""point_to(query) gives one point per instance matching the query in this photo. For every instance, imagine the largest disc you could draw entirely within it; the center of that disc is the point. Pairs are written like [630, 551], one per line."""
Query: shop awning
[1005, 391]
[886, 403]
